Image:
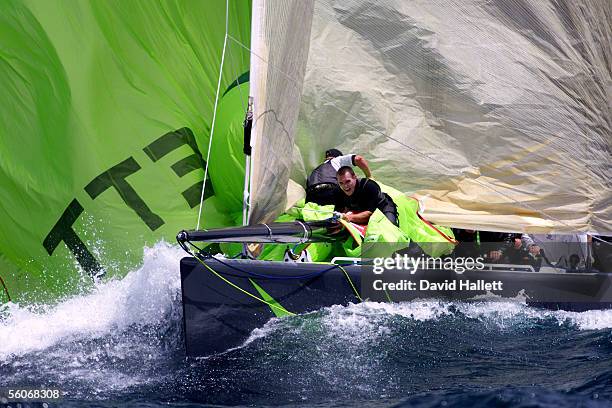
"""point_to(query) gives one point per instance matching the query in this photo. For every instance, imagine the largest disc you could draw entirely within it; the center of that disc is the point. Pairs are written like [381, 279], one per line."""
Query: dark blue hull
[218, 316]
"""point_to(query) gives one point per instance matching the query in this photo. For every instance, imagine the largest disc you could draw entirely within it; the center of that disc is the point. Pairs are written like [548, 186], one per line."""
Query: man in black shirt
[322, 186]
[361, 197]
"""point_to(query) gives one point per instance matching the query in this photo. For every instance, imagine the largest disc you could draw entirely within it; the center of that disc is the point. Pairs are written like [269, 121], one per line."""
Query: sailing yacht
[491, 121]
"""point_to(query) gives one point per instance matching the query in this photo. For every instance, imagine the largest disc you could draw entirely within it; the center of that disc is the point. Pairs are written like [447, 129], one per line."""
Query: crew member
[495, 247]
[322, 185]
[361, 197]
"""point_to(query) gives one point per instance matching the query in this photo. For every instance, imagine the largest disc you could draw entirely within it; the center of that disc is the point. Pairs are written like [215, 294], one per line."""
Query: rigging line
[332, 266]
[259, 275]
[305, 238]
[350, 281]
[277, 277]
[255, 274]
[212, 128]
[293, 81]
[491, 188]
[601, 240]
[232, 284]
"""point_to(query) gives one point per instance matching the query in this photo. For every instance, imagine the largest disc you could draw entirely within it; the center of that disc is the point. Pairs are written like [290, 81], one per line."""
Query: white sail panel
[496, 114]
[279, 45]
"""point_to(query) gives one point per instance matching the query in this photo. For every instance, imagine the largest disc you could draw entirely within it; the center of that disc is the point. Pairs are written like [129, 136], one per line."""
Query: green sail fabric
[105, 121]
[434, 240]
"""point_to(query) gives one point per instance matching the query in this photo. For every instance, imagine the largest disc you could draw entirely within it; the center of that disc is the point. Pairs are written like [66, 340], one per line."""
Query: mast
[257, 45]
[248, 126]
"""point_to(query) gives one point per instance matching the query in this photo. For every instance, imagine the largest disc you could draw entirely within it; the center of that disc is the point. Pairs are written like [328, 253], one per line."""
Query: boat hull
[218, 316]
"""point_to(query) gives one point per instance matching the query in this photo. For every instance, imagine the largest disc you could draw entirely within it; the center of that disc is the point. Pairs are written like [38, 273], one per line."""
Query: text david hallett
[423, 284]
[479, 284]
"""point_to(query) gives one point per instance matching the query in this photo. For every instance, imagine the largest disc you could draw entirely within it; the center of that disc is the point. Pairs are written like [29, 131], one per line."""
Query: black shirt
[367, 197]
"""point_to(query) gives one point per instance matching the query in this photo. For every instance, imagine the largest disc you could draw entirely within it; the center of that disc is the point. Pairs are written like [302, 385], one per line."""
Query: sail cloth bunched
[496, 113]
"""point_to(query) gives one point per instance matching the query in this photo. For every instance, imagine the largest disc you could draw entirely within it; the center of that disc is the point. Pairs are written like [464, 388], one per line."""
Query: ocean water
[122, 346]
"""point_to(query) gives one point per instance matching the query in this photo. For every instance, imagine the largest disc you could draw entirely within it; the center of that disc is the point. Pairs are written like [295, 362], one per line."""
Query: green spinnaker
[106, 114]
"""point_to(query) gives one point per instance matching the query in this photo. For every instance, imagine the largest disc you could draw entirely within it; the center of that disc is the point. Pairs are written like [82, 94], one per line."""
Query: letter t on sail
[116, 177]
[62, 231]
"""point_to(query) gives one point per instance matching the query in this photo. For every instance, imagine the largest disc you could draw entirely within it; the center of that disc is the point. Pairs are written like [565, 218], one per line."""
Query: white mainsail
[279, 49]
[496, 114]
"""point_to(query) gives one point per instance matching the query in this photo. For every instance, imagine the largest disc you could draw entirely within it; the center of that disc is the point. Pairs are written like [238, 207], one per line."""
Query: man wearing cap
[322, 184]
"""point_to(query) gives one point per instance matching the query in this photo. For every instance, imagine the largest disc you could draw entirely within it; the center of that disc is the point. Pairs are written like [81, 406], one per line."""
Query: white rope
[305, 237]
[596, 238]
[212, 129]
[270, 237]
[292, 81]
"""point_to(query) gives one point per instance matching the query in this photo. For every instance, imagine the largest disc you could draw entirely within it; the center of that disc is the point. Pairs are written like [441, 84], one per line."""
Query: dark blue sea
[122, 346]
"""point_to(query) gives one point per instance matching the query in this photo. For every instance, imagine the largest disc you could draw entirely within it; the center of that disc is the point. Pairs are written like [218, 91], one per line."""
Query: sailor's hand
[337, 215]
[534, 250]
[335, 229]
[347, 216]
[495, 255]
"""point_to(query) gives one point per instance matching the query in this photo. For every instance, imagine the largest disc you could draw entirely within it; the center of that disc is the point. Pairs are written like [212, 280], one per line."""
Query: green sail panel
[106, 115]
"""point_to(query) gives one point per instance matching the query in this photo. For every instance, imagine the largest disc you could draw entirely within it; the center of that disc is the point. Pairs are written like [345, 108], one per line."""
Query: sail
[496, 114]
[106, 114]
[280, 39]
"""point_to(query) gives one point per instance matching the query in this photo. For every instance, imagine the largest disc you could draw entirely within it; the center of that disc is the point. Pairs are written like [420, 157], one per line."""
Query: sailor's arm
[358, 217]
[352, 160]
[360, 162]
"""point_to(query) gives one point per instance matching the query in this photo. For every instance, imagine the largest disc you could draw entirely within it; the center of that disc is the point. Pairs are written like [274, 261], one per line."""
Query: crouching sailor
[361, 197]
[322, 186]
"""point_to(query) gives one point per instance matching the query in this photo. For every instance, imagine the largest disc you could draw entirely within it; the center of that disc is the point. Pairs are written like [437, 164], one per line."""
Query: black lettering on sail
[63, 231]
[171, 141]
[116, 177]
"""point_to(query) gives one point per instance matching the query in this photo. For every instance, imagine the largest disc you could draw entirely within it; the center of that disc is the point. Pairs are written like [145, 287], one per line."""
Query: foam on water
[144, 297]
[148, 296]
[124, 339]
[369, 320]
[501, 312]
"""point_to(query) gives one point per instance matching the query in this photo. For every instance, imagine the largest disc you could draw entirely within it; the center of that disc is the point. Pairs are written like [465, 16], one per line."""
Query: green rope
[272, 305]
[350, 282]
